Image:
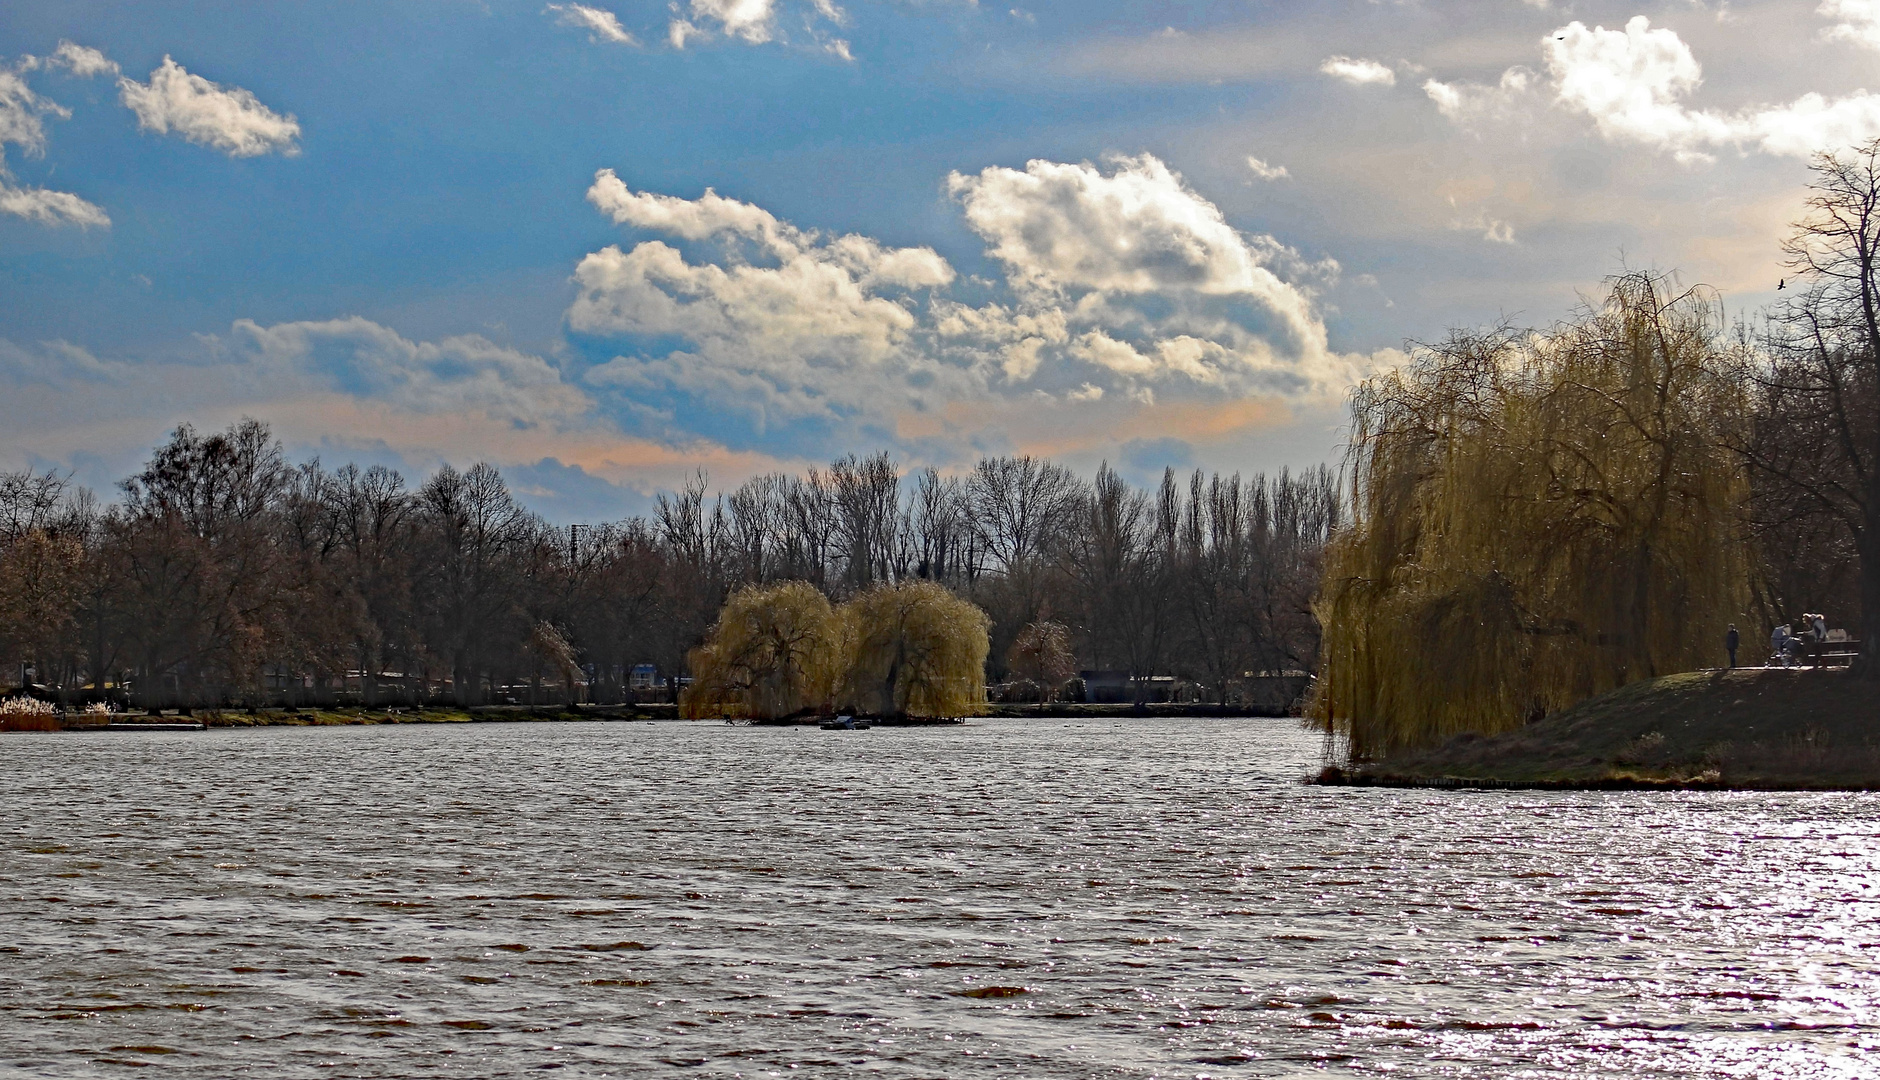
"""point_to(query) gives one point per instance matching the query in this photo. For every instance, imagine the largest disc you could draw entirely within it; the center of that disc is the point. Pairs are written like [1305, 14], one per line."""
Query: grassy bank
[1759, 728]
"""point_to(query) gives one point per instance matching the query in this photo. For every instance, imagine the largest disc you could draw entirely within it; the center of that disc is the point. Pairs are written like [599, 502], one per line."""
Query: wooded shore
[493, 714]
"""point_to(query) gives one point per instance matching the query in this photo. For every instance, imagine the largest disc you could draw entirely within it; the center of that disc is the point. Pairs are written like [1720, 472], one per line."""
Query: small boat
[845, 723]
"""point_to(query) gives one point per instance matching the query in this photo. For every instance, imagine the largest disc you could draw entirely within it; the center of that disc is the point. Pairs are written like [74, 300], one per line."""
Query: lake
[1054, 898]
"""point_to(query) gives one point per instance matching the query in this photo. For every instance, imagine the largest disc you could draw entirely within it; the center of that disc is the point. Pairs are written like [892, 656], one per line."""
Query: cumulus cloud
[49, 207]
[713, 215]
[783, 313]
[1633, 84]
[1121, 286]
[1358, 72]
[1630, 83]
[1857, 21]
[601, 25]
[228, 119]
[22, 123]
[81, 60]
[1813, 123]
[688, 219]
[1071, 233]
[458, 375]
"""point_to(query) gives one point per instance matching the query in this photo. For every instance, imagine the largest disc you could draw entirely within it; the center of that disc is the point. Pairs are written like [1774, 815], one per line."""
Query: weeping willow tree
[775, 651]
[915, 649]
[1537, 518]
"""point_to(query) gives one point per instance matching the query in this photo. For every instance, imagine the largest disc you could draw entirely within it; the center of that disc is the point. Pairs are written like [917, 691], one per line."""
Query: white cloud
[1125, 288]
[1136, 275]
[756, 22]
[1265, 171]
[794, 322]
[808, 307]
[1859, 21]
[601, 25]
[1061, 228]
[81, 60]
[1358, 72]
[690, 219]
[1468, 103]
[458, 375]
[1812, 123]
[228, 119]
[713, 215]
[749, 20]
[22, 113]
[49, 207]
[1632, 84]
[22, 123]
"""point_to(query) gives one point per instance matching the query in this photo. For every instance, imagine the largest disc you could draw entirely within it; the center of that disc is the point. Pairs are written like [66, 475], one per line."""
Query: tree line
[225, 574]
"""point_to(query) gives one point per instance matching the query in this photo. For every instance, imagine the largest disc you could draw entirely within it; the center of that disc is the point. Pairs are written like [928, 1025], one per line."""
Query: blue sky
[1148, 233]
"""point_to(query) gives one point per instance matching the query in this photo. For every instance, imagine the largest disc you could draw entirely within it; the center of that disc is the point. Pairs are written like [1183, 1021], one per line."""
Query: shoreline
[355, 716]
[1741, 729]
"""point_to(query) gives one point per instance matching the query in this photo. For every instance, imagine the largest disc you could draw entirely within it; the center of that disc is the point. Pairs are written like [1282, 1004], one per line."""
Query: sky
[606, 245]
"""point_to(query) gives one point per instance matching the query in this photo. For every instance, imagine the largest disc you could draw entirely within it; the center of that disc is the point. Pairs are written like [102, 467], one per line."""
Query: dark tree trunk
[1868, 666]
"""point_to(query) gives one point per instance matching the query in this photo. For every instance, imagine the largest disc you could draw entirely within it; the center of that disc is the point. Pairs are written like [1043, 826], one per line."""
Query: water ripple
[1042, 899]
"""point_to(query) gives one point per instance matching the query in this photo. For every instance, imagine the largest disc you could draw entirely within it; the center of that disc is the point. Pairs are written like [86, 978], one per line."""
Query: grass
[1753, 728]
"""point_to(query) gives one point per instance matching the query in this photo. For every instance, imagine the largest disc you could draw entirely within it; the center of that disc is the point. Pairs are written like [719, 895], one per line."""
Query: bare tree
[29, 500]
[1020, 505]
[937, 535]
[198, 536]
[1815, 446]
[228, 575]
[474, 533]
[866, 496]
[1042, 655]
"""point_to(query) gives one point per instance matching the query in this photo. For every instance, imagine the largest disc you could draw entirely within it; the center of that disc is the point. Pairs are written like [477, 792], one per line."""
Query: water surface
[1056, 898]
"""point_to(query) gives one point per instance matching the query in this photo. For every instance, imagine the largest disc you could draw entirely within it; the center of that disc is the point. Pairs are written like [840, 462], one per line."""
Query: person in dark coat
[1730, 641]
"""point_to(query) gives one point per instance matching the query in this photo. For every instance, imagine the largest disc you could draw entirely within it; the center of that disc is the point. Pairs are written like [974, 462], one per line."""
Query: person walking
[1730, 641]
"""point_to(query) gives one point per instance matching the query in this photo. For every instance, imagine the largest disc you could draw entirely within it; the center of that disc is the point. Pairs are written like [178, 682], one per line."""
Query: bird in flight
[1781, 283]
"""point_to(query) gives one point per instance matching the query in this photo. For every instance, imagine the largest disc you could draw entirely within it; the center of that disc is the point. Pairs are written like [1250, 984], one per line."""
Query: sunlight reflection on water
[1040, 899]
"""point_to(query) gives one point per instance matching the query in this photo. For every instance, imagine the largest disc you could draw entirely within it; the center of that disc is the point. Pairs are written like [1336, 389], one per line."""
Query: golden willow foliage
[912, 649]
[774, 652]
[1537, 518]
[916, 650]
